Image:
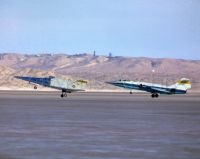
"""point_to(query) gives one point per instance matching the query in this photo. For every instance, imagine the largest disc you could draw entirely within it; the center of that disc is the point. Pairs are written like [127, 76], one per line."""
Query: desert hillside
[96, 69]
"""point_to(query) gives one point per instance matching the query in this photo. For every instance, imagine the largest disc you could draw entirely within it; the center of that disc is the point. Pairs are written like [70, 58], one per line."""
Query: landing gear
[64, 94]
[131, 92]
[155, 95]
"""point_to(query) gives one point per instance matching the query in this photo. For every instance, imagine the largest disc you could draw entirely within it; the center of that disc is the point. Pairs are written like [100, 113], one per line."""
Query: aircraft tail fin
[82, 83]
[183, 84]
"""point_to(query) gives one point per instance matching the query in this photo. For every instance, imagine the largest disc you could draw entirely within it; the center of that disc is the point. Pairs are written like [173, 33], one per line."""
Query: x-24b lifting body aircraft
[65, 85]
[180, 87]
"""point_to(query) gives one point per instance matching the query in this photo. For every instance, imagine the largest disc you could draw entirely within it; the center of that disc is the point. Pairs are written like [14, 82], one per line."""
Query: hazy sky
[153, 28]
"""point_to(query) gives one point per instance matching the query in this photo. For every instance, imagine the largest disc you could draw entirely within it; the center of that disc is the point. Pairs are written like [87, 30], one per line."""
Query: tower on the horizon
[110, 55]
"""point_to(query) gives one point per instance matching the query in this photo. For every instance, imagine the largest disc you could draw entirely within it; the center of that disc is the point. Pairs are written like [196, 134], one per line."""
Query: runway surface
[41, 125]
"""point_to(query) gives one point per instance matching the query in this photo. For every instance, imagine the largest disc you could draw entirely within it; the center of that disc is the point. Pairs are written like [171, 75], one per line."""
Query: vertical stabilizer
[183, 84]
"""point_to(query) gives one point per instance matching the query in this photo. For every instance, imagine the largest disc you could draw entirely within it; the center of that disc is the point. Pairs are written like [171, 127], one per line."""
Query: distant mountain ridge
[96, 69]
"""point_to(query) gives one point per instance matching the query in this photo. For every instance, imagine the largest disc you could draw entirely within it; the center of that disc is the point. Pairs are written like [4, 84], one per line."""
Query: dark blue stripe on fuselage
[150, 88]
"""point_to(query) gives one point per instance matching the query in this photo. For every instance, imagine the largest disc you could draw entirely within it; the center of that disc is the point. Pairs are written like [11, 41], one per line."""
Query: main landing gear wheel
[131, 92]
[155, 95]
[64, 94]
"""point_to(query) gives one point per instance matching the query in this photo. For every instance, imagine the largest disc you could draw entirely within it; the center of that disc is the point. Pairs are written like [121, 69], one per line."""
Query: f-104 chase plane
[65, 85]
[180, 87]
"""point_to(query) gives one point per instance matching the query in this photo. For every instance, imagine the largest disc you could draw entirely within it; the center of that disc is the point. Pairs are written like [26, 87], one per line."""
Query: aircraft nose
[22, 78]
[111, 82]
[18, 77]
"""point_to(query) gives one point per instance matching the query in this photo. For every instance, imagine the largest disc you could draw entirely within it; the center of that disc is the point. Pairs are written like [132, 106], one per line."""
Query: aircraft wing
[36, 80]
